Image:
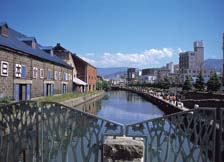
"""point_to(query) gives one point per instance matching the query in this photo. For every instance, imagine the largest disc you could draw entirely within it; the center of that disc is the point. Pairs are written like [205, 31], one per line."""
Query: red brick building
[86, 72]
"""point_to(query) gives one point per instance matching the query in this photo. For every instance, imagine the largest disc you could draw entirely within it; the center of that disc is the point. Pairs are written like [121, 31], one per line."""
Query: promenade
[159, 98]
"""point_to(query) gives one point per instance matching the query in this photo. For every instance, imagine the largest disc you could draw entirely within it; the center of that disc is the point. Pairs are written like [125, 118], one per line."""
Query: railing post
[37, 132]
[219, 134]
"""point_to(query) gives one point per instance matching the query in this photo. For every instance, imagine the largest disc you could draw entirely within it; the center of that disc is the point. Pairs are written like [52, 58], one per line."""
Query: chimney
[4, 30]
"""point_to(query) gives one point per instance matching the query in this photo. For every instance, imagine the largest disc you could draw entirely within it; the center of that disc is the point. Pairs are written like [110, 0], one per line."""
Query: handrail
[50, 127]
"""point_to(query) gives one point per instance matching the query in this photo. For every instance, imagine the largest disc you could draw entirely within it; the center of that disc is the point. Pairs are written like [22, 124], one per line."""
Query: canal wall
[80, 100]
[165, 106]
[211, 103]
[203, 95]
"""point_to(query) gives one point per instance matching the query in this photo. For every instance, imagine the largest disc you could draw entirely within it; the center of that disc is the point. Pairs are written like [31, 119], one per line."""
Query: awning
[78, 81]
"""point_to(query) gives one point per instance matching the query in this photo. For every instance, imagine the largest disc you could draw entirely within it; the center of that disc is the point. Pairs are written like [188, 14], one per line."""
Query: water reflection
[123, 107]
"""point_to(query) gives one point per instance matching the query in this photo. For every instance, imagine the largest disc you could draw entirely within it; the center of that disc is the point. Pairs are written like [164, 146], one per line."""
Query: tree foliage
[102, 85]
[214, 83]
[200, 83]
[187, 84]
[165, 83]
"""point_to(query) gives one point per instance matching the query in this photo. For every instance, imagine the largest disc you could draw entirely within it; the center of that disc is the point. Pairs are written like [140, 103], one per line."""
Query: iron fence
[48, 132]
[185, 136]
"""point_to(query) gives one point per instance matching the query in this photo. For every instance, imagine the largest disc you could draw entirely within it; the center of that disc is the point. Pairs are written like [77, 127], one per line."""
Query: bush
[5, 101]
[214, 83]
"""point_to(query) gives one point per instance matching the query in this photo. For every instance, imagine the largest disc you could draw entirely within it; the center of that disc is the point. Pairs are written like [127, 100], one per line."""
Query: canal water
[123, 107]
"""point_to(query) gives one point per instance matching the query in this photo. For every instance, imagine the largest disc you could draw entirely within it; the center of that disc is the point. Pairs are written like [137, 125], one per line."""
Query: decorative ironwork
[67, 132]
[53, 132]
[220, 136]
[18, 135]
[185, 136]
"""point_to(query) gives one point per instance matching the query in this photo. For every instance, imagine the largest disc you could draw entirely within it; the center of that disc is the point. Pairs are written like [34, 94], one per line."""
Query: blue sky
[114, 33]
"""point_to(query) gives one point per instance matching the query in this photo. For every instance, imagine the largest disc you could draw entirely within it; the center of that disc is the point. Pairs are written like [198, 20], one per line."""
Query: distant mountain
[110, 71]
[213, 64]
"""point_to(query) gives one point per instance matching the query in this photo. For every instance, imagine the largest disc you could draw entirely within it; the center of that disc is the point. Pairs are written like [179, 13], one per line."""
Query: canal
[123, 107]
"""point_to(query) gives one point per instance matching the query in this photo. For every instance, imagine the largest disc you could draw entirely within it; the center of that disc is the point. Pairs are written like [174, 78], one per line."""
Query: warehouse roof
[14, 41]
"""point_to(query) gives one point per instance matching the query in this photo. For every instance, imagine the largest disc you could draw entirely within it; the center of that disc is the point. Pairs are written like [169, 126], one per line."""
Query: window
[65, 76]
[49, 74]
[18, 70]
[70, 76]
[56, 75]
[59, 75]
[23, 71]
[35, 72]
[4, 68]
[41, 73]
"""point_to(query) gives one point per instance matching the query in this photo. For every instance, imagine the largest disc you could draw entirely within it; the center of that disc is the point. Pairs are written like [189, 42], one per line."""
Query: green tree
[165, 83]
[214, 83]
[105, 85]
[187, 84]
[99, 85]
[200, 84]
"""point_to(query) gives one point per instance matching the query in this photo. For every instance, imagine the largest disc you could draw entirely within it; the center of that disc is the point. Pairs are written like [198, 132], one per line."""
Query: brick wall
[37, 86]
[91, 72]
[6, 83]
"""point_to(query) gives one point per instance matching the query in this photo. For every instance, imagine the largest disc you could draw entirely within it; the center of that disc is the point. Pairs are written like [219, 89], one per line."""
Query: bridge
[47, 132]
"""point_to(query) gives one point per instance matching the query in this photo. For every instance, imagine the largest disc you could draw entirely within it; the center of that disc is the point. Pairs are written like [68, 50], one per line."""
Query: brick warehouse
[86, 72]
[28, 70]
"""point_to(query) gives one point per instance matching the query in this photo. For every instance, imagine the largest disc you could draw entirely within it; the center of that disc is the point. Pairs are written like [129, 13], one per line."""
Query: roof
[3, 24]
[27, 39]
[79, 81]
[13, 41]
[75, 56]
[46, 47]
[58, 47]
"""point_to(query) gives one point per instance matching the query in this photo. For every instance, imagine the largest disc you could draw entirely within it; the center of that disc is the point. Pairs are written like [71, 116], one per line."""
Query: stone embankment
[80, 100]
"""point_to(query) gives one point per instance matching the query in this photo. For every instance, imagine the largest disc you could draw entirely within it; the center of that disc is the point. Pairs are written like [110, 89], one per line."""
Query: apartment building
[191, 63]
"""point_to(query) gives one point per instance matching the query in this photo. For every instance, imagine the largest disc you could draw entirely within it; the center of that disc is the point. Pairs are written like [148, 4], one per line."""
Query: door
[22, 92]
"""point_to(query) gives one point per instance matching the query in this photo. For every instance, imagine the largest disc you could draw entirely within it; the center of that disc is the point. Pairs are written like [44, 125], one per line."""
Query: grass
[63, 97]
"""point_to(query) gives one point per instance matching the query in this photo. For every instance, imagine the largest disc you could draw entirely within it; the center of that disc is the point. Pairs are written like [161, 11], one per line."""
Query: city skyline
[121, 33]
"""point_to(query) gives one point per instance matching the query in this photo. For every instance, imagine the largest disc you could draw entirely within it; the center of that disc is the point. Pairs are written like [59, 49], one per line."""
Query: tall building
[131, 75]
[199, 54]
[191, 62]
[170, 66]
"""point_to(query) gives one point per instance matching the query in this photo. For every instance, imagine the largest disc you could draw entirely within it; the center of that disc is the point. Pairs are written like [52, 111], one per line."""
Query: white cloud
[147, 58]
[91, 61]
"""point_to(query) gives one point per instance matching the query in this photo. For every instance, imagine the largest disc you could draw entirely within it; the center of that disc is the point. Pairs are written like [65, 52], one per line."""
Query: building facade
[149, 75]
[86, 72]
[27, 71]
[191, 62]
[131, 75]
[78, 84]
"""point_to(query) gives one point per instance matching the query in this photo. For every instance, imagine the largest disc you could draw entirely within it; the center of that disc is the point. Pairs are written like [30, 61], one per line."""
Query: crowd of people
[169, 97]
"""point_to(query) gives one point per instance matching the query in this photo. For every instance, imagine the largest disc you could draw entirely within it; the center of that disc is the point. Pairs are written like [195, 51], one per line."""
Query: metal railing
[51, 132]
[185, 136]
[47, 132]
